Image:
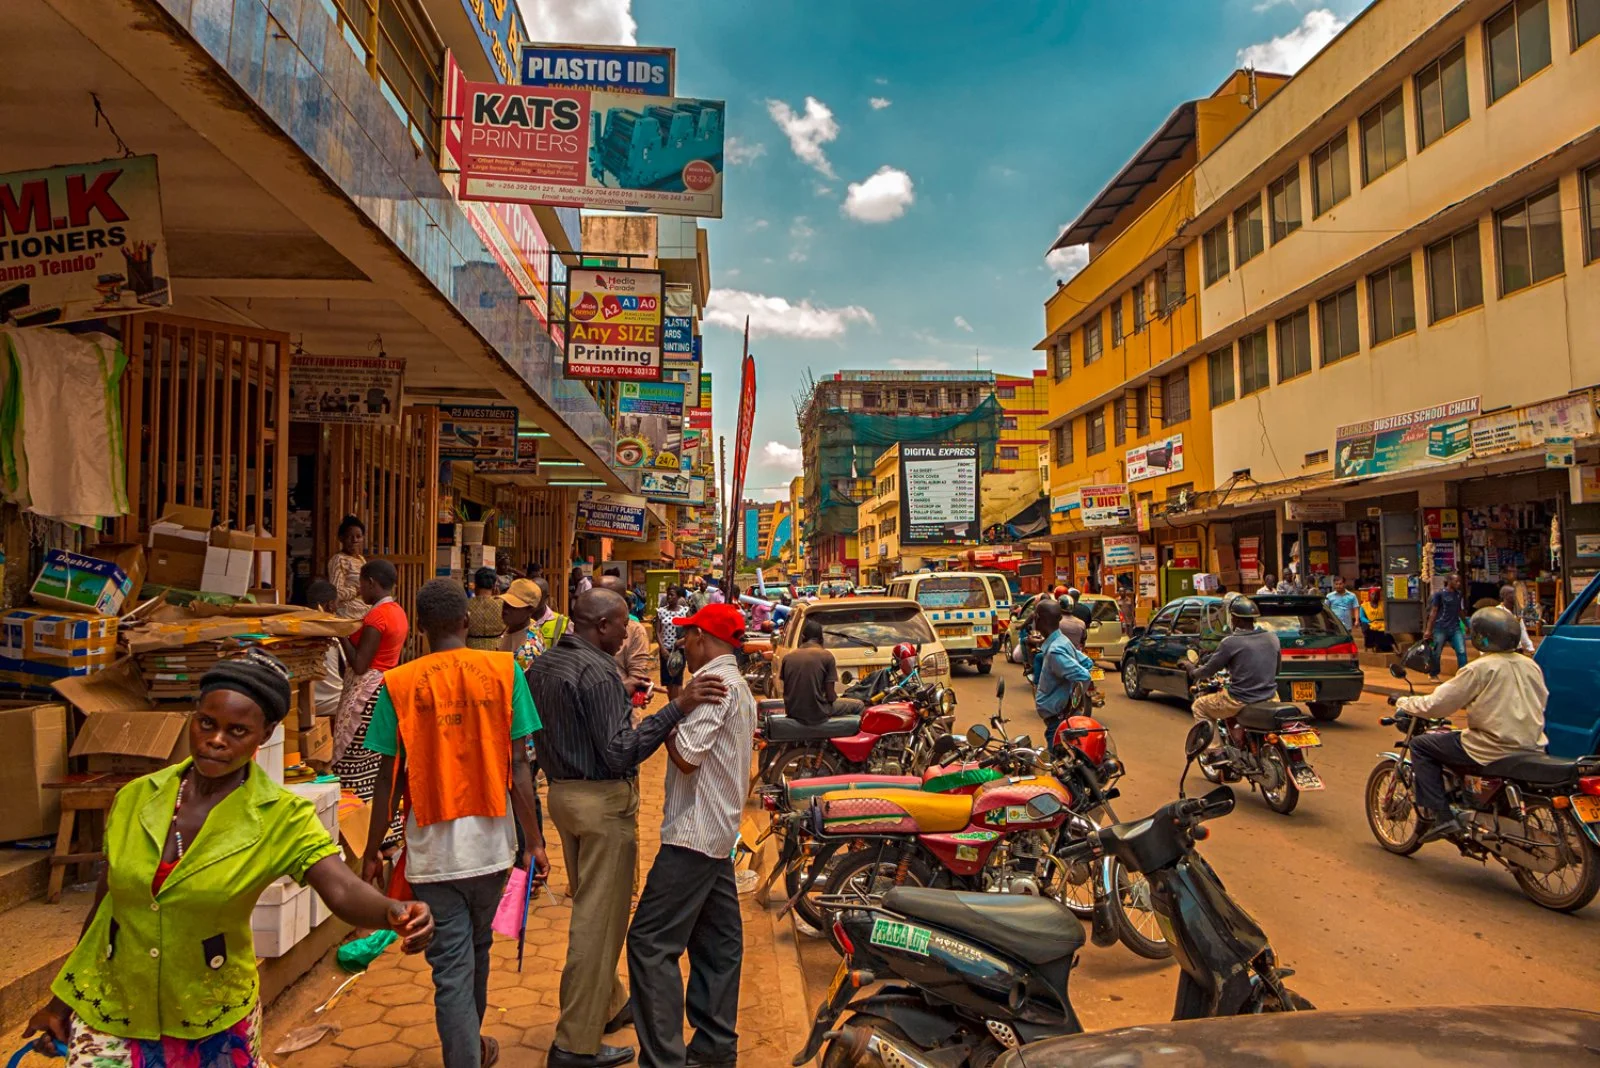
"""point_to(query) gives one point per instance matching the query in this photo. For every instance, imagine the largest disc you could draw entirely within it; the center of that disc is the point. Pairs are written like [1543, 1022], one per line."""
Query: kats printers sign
[614, 324]
[81, 242]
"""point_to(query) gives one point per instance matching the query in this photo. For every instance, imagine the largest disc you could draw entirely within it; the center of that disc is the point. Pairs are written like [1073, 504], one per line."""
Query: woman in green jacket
[164, 973]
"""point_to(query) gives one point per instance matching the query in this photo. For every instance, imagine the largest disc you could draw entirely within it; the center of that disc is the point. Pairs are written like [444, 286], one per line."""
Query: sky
[896, 171]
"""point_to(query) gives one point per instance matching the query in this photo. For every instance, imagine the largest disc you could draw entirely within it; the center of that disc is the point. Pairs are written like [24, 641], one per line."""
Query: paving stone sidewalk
[387, 1014]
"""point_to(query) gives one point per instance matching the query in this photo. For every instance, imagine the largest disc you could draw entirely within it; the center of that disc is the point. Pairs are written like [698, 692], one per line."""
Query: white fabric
[1504, 695]
[459, 848]
[703, 807]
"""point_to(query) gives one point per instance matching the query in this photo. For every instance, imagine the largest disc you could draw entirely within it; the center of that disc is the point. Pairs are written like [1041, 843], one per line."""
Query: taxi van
[962, 608]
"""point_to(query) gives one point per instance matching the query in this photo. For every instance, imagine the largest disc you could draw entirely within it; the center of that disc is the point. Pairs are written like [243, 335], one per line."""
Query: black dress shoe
[623, 1018]
[608, 1057]
[694, 1061]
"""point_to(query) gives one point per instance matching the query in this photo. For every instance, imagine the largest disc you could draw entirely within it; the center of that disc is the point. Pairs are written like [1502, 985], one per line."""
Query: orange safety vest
[454, 713]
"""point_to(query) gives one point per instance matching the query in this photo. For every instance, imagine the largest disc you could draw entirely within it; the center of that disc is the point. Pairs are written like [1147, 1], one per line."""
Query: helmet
[1074, 593]
[1243, 608]
[905, 656]
[1061, 591]
[1091, 745]
[1494, 630]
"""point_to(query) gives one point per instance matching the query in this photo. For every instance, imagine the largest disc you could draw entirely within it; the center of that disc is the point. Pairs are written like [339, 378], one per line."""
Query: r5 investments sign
[614, 324]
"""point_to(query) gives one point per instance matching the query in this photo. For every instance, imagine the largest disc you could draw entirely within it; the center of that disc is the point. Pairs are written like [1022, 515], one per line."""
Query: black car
[1321, 668]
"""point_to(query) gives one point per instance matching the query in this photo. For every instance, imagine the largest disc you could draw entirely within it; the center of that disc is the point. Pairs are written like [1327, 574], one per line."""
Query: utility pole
[726, 513]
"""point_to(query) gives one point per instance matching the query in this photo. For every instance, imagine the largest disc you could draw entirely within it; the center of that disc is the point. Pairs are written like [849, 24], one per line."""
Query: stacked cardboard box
[187, 553]
[174, 674]
[33, 751]
[39, 647]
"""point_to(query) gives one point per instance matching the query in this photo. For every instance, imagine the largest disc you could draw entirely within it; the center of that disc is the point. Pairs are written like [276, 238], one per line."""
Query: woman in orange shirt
[373, 649]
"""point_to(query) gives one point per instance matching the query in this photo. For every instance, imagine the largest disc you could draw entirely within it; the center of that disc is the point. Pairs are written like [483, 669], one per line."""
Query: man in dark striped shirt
[590, 750]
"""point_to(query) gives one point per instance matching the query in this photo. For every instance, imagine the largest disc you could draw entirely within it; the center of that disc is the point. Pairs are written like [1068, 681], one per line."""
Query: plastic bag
[356, 955]
[512, 913]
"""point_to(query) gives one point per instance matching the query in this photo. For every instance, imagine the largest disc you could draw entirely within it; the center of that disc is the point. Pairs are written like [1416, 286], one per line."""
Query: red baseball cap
[722, 621]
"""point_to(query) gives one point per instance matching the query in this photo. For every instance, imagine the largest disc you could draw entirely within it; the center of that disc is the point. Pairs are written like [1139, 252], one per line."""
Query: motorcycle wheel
[1268, 1002]
[807, 908]
[866, 876]
[1287, 795]
[1137, 926]
[1130, 681]
[1571, 886]
[836, 1054]
[805, 764]
[1391, 810]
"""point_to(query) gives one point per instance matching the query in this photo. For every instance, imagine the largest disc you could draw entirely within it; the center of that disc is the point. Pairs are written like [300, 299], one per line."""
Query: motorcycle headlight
[947, 701]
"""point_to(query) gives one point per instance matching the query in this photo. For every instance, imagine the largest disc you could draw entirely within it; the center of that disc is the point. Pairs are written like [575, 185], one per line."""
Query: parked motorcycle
[968, 976]
[1265, 743]
[1537, 815]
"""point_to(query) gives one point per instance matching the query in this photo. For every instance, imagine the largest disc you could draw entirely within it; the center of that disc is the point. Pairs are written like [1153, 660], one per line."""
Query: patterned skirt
[237, 1047]
[358, 768]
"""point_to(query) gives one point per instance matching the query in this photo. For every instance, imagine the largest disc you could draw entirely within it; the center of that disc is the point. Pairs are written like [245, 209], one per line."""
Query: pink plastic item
[508, 918]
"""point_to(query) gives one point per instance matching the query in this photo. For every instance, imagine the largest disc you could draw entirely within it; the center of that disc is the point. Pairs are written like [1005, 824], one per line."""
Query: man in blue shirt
[1345, 606]
[1446, 611]
[1060, 669]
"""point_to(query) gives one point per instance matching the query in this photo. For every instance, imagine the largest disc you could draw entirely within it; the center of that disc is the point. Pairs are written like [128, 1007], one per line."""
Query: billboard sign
[938, 494]
[345, 389]
[1158, 458]
[526, 463]
[615, 68]
[666, 486]
[1425, 437]
[532, 145]
[614, 324]
[477, 432]
[1119, 550]
[649, 425]
[82, 241]
[1525, 428]
[611, 515]
[1105, 506]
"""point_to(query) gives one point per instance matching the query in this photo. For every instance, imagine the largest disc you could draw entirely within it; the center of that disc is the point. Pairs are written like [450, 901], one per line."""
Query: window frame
[1062, 359]
[1141, 314]
[1118, 334]
[1265, 377]
[1296, 328]
[1589, 210]
[1214, 359]
[1578, 42]
[1335, 300]
[1516, 8]
[1388, 275]
[1119, 420]
[1449, 243]
[1438, 67]
[1170, 408]
[1239, 233]
[1390, 112]
[1339, 142]
[1063, 436]
[1525, 205]
[1092, 353]
[1210, 241]
[1281, 187]
[1096, 418]
[1141, 411]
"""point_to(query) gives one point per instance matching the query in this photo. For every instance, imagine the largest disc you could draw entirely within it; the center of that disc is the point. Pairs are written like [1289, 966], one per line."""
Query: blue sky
[900, 168]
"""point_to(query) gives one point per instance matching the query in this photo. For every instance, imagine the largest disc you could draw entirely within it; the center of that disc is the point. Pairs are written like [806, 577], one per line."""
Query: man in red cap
[690, 900]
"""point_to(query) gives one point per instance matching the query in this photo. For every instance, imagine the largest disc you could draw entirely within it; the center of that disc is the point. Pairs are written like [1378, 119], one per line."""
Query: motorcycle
[1265, 743]
[1537, 815]
[969, 976]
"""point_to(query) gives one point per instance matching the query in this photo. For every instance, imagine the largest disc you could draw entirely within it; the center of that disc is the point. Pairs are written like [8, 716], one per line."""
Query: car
[1321, 668]
[961, 607]
[861, 633]
[1107, 639]
[1569, 655]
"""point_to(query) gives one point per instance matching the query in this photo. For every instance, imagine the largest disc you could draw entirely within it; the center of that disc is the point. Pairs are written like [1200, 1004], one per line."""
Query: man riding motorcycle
[1251, 655]
[1504, 695]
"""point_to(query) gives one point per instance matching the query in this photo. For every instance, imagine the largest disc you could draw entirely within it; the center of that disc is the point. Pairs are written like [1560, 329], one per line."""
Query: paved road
[1362, 928]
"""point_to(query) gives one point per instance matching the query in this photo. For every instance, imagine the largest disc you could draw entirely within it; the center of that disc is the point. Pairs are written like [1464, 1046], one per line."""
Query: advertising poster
[1586, 544]
[1560, 452]
[583, 149]
[1158, 458]
[82, 242]
[1250, 559]
[1064, 503]
[1119, 550]
[677, 331]
[938, 494]
[614, 68]
[614, 324]
[1147, 587]
[649, 425]
[1537, 424]
[664, 486]
[611, 515]
[1104, 506]
[705, 389]
[1442, 523]
[1186, 554]
[477, 432]
[345, 389]
[1421, 438]
[526, 463]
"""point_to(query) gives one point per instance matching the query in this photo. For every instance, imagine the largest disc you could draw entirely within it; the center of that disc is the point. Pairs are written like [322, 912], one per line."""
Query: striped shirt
[703, 807]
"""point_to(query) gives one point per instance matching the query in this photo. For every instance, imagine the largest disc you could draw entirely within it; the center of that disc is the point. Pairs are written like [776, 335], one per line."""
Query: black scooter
[969, 976]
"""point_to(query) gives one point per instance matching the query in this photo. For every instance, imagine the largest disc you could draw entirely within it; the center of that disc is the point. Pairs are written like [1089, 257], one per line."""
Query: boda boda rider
[1251, 655]
[1503, 693]
[164, 973]
[1061, 671]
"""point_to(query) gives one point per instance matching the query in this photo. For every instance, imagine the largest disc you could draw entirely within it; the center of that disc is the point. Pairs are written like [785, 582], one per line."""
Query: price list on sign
[939, 493]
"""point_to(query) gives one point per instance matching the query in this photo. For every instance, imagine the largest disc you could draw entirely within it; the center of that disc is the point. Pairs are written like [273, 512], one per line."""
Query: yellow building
[878, 523]
[1025, 402]
[1128, 390]
[796, 554]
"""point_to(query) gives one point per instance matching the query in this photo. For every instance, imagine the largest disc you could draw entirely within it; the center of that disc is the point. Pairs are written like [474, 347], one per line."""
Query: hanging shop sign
[1526, 428]
[705, 390]
[1119, 550]
[614, 324]
[1442, 523]
[582, 149]
[82, 241]
[500, 31]
[1301, 510]
[1186, 554]
[649, 425]
[1583, 482]
[1105, 506]
[614, 68]
[697, 491]
[666, 487]
[938, 494]
[526, 462]
[611, 515]
[1064, 503]
[1422, 438]
[1560, 453]
[677, 331]
[477, 432]
[345, 389]
[1162, 457]
[1250, 559]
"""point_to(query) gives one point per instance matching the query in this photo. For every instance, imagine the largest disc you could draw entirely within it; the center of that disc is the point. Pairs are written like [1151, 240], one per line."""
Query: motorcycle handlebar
[1394, 699]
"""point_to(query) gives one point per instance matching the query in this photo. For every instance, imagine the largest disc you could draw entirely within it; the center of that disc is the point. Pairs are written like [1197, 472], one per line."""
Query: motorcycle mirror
[1000, 688]
[1219, 801]
[978, 736]
[1397, 670]
[1043, 806]
[1024, 742]
[943, 747]
[847, 678]
[1200, 736]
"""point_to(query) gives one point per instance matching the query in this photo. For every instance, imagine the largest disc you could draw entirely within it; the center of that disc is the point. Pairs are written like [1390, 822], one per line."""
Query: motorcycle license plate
[1097, 675]
[1304, 691]
[839, 979]
[1301, 740]
[1587, 808]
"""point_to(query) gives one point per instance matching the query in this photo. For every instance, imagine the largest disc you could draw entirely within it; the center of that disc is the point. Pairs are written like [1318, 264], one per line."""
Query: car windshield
[882, 625]
[1104, 611]
[1307, 622]
[952, 591]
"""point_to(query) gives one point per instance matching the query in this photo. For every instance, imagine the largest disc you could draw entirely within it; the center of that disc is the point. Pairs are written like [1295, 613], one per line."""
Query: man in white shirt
[1508, 601]
[690, 900]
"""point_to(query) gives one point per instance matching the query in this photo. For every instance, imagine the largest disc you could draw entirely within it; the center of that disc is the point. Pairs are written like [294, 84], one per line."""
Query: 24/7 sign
[614, 325]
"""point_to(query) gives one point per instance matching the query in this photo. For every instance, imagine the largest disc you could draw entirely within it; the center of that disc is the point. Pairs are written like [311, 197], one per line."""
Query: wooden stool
[92, 795]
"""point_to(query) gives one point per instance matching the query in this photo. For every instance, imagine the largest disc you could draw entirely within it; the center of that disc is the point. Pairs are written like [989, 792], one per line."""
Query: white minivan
[961, 606]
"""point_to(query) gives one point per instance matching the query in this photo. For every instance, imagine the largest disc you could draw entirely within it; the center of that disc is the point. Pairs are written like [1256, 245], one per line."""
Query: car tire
[1130, 681]
[985, 666]
[1326, 711]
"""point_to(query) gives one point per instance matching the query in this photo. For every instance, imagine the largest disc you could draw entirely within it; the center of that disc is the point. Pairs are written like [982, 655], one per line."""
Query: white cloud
[962, 323]
[807, 132]
[778, 317]
[881, 80]
[580, 21]
[1068, 261]
[1291, 51]
[880, 102]
[786, 457]
[801, 233]
[884, 196]
[738, 151]
[822, 189]
[756, 224]
[731, 272]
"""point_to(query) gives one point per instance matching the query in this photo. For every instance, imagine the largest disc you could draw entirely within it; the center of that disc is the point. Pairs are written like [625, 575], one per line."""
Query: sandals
[488, 1051]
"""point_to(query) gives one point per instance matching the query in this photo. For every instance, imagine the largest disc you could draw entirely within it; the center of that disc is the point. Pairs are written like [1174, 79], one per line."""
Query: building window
[1585, 21]
[1139, 316]
[1119, 420]
[869, 399]
[1340, 329]
[1254, 372]
[1330, 174]
[1175, 397]
[1248, 240]
[1141, 411]
[1063, 357]
[1219, 371]
[1591, 212]
[1063, 445]
[1094, 432]
[1214, 250]
[1455, 275]
[1383, 138]
[1008, 452]
[1006, 392]
[1294, 345]
[1389, 296]
[1442, 96]
[1008, 422]
[1116, 322]
[1518, 39]
[1529, 236]
[1283, 197]
[1313, 459]
[1091, 341]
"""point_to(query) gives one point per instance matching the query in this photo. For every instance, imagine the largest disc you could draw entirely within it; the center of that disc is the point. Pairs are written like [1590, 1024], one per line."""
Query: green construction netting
[849, 443]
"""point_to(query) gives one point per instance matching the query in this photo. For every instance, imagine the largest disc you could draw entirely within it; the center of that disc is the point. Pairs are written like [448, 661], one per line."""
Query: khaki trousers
[599, 827]
[1216, 706]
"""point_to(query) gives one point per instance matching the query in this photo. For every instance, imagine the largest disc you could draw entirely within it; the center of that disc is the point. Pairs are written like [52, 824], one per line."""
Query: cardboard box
[325, 796]
[72, 639]
[33, 750]
[270, 756]
[317, 743]
[479, 556]
[82, 583]
[132, 742]
[281, 918]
